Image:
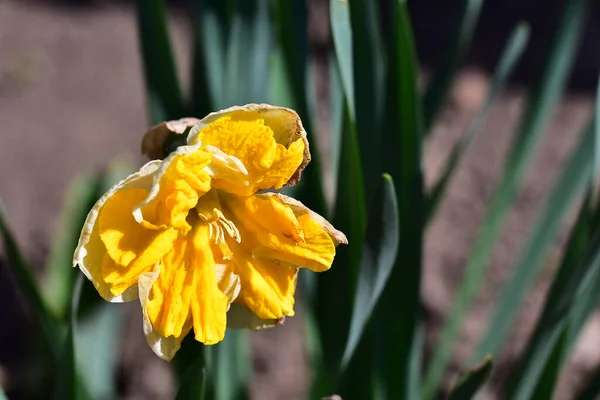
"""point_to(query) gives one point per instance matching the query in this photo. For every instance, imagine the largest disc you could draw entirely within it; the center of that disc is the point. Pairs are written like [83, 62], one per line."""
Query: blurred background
[72, 99]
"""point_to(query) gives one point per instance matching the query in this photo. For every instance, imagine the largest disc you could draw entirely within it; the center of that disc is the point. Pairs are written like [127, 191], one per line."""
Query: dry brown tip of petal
[153, 143]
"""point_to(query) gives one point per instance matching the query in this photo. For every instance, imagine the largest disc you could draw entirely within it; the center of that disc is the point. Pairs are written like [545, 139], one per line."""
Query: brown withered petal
[153, 143]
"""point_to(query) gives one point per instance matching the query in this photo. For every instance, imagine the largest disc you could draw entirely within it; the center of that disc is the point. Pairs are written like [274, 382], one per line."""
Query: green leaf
[191, 366]
[543, 100]
[232, 365]
[248, 53]
[401, 349]
[470, 381]
[212, 25]
[67, 380]
[25, 280]
[368, 75]
[569, 188]
[193, 382]
[459, 41]
[98, 347]
[379, 253]
[551, 322]
[510, 56]
[2, 394]
[549, 377]
[342, 39]
[162, 84]
[336, 288]
[60, 274]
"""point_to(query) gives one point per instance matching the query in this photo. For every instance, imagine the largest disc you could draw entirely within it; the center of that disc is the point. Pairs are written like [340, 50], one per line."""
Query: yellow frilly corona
[193, 236]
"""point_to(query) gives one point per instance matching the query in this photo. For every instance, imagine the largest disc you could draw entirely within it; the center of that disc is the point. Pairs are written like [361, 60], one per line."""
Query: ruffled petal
[131, 246]
[164, 347]
[283, 232]
[268, 285]
[254, 147]
[177, 186]
[209, 305]
[90, 251]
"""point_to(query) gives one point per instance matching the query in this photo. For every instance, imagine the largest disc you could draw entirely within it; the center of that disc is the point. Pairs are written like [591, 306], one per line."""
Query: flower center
[209, 211]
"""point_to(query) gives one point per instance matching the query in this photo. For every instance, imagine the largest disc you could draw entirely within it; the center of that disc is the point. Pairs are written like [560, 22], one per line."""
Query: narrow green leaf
[191, 365]
[379, 253]
[510, 56]
[336, 287]
[212, 25]
[162, 84]
[342, 39]
[551, 322]
[60, 274]
[368, 75]
[539, 108]
[98, 347]
[248, 53]
[401, 351]
[2, 394]
[569, 187]
[549, 377]
[459, 41]
[67, 380]
[26, 282]
[232, 366]
[193, 382]
[469, 382]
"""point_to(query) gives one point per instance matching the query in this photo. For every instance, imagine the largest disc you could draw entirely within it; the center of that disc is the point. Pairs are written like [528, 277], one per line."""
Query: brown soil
[72, 98]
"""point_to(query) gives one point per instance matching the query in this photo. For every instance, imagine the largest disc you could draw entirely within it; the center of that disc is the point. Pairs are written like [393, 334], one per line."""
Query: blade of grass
[549, 376]
[569, 188]
[232, 366]
[539, 108]
[368, 79]
[469, 382]
[342, 39]
[379, 253]
[60, 276]
[248, 53]
[335, 288]
[402, 156]
[162, 84]
[212, 25]
[510, 56]
[26, 282]
[459, 41]
[192, 365]
[67, 381]
[548, 327]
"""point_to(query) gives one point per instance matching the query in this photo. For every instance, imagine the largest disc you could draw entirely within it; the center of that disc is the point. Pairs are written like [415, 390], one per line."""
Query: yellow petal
[268, 141]
[171, 294]
[209, 304]
[90, 251]
[268, 285]
[132, 248]
[282, 232]
[180, 181]
[164, 347]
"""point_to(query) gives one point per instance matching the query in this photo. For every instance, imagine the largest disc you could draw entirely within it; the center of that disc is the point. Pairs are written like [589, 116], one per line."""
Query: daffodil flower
[194, 236]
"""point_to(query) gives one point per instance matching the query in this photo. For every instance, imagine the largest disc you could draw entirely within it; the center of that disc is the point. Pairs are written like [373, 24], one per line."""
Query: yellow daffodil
[192, 235]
